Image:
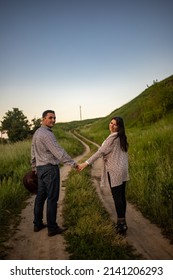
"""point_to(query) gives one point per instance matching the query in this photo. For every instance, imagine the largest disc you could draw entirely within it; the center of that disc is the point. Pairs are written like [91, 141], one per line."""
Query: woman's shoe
[121, 227]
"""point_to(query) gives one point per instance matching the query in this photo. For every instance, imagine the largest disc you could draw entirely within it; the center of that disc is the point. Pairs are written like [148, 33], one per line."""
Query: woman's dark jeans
[118, 194]
[119, 197]
[48, 188]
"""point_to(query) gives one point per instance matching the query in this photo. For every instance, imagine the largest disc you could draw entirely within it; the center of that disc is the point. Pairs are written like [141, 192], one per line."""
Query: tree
[16, 124]
[36, 123]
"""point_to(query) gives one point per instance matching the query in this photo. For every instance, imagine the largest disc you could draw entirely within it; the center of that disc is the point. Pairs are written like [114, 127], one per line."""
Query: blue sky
[63, 54]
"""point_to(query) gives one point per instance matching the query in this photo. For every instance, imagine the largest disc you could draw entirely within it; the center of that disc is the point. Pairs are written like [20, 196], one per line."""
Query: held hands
[81, 166]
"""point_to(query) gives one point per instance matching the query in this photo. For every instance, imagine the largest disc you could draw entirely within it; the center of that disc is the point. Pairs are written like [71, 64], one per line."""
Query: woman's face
[113, 126]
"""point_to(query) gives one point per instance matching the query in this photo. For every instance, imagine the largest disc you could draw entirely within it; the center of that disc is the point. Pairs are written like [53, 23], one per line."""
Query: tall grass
[14, 158]
[151, 173]
[90, 232]
[15, 161]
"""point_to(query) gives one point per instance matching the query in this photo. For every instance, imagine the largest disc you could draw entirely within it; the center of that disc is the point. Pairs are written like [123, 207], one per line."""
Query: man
[46, 154]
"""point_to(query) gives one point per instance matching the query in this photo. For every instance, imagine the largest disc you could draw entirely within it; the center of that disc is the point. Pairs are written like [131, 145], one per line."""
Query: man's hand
[81, 166]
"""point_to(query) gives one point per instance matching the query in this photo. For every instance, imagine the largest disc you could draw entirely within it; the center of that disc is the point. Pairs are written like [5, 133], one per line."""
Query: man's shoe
[38, 228]
[58, 230]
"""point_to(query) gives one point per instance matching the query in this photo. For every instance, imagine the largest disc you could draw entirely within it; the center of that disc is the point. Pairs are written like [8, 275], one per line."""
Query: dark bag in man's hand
[30, 181]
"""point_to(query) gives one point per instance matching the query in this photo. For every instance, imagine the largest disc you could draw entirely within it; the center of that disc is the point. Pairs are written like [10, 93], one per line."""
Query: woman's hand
[81, 166]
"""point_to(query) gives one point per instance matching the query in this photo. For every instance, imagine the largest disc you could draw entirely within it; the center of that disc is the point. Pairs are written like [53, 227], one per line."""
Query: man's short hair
[46, 112]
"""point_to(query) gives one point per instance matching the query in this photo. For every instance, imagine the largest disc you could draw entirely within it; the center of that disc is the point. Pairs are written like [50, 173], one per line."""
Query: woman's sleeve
[105, 149]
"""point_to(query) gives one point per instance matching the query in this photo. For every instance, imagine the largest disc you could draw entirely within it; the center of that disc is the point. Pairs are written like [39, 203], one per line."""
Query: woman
[114, 152]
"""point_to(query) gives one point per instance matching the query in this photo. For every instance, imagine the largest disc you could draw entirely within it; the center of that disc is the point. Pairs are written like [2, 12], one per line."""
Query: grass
[14, 160]
[151, 172]
[90, 232]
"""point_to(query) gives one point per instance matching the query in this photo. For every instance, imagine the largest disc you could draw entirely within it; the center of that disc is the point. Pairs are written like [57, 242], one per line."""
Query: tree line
[17, 126]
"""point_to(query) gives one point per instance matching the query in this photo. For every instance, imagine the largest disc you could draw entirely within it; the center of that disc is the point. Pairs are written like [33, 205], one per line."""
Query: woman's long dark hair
[121, 133]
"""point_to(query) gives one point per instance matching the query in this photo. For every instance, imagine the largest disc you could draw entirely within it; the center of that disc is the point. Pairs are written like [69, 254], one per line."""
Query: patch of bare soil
[145, 237]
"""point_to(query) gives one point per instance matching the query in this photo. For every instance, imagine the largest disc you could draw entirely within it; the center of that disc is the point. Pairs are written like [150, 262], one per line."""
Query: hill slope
[152, 105]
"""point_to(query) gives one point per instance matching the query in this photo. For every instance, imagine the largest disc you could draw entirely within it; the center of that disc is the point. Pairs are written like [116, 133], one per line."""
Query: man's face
[49, 120]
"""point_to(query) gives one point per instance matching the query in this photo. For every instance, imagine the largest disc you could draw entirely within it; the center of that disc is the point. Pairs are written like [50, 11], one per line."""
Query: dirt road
[145, 237]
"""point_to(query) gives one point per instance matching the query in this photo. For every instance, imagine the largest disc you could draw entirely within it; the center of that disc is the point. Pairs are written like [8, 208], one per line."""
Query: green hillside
[153, 104]
[149, 127]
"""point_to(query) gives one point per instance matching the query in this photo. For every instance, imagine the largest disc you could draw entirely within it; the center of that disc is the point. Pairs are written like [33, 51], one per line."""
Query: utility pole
[80, 109]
